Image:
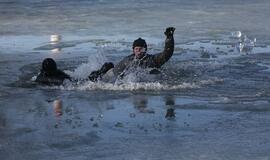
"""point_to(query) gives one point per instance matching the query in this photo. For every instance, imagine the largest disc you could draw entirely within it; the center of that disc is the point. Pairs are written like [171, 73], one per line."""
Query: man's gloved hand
[106, 66]
[169, 31]
[94, 76]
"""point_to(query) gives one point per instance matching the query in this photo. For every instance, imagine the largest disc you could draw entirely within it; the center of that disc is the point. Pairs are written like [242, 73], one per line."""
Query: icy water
[211, 101]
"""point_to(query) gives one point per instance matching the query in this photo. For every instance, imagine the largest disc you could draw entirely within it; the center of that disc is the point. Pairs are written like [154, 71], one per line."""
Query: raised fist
[169, 31]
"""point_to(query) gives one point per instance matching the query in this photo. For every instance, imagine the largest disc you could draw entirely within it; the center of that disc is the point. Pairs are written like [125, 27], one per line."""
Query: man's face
[139, 52]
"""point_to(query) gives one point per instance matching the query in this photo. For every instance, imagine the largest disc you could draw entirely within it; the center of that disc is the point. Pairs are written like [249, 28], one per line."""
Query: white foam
[133, 86]
[130, 83]
[153, 86]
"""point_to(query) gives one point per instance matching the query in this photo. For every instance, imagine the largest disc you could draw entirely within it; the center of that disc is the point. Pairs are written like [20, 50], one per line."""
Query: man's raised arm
[164, 56]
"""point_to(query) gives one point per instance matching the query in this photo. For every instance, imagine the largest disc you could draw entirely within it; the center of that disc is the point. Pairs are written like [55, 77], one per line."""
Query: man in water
[139, 58]
[50, 75]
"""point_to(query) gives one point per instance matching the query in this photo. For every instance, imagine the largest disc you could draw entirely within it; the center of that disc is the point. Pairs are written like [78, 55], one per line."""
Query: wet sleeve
[63, 75]
[164, 56]
[43, 79]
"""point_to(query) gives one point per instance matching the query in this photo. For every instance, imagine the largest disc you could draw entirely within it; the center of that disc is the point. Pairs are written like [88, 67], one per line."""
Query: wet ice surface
[192, 18]
[119, 127]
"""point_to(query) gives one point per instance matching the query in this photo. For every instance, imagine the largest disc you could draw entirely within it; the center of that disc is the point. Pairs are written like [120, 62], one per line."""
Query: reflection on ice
[57, 107]
[55, 38]
[56, 50]
[170, 114]
[170, 104]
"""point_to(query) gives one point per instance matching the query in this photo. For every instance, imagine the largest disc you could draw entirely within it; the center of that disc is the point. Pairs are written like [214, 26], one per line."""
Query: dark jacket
[52, 78]
[148, 61]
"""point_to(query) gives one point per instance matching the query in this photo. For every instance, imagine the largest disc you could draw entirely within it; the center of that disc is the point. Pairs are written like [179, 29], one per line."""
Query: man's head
[139, 48]
[49, 65]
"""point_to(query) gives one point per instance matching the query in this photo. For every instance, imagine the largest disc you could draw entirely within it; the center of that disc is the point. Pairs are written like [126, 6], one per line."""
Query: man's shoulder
[127, 58]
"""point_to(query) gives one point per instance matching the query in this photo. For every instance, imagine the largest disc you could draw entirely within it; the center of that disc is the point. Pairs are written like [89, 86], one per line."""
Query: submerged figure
[50, 75]
[139, 58]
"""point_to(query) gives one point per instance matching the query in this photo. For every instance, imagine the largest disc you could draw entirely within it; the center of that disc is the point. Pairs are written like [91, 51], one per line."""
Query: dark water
[210, 102]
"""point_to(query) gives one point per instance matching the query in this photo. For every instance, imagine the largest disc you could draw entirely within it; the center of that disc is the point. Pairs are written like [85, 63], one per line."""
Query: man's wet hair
[139, 43]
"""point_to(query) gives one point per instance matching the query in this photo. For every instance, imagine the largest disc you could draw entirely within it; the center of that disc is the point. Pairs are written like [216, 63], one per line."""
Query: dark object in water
[95, 75]
[50, 75]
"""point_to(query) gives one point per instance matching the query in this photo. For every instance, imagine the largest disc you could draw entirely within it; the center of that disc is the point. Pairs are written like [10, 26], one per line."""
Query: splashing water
[95, 61]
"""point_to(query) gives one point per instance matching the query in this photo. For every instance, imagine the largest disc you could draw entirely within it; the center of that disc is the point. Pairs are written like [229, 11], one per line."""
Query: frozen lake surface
[211, 101]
